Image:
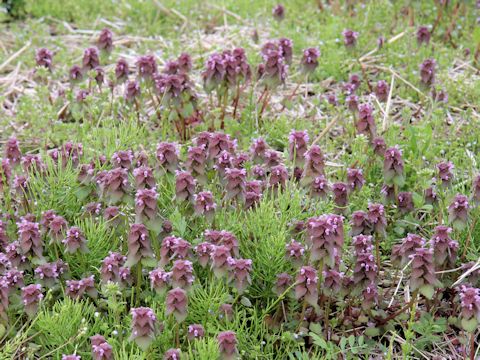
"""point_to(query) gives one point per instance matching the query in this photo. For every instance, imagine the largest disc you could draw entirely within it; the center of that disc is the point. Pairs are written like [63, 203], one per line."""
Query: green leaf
[343, 343]
[245, 301]
[470, 325]
[316, 328]
[351, 341]
[427, 291]
[372, 331]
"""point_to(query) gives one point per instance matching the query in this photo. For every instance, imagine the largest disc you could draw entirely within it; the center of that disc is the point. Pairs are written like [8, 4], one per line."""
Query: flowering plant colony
[172, 218]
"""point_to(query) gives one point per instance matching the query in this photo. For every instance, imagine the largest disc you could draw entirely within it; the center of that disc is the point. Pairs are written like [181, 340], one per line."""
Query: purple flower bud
[48, 274]
[333, 281]
[405, 202]
[110, 270]
[355, 179]
[204, 204]
[309, 60]
[139, 246]
[219, 256]
[376, 216]
[143, 327]
[295, 252]
[381, 41]
[314, 164]
[458, 212]
[214, 73]
[144, 177]
[195, 331]
[306, 287]
[101, 350]
[14, 278]
[349, 38]
[381, 90]
[93, 209]
[427, 72]
[423, 35]
[476, 189]
[319, 187]
[366, 123]
[75, 289]
[340, 194]
[114, 184]
[445, 172]
[167, 156]
[282, 283]
[146, 66]
[239, 273]
[75, 74]
[196, 162]
[172, 354]
[257, 150]
[75, 241]
[12, 151]
[325, 237]
[352, 102]
[71, 357]
[285, 47]
[105, 40]
[44, 58]
[227, 345]
[274, 70]
[14, 254]
[217, 142]
[204, 251]
[444, 248]
[172, 248]
[90, 58]
[177, 302]
[393, 167]
[278, 12]
[297, 146]
[278, 176]
[122, 70]
[31, 297]
[430, 196]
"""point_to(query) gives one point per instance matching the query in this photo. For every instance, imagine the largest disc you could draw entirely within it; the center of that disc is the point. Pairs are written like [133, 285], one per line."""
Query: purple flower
[143, 327]
[444, 248]
[177, 302]
[314, 164]
[172, 354]
[101, 349]
[5, 173]
[352, 102]
[273, 158]
[282, 283]
[182, 274]
[122, 70]
[379, 146]
[402, 253]
[297, 146]
[274, 70]
[146, 66]
[167, 156]
[44, 58]
[427, 72]
[75, 241]
[405, 202]
[111, 265]
[257, 150]
[423, 278]
[365, 270]
[376, 216]
[12, 151]
[217, 142]
[445, 172]
[430, 196]
[360, 223]
[160, 280]
[31, 297]
[14, 278]
[381, 90]
[278, 176]
[139, 246]
[476, 189]
[325, 237]
[205, 204]
[423, 35]
[204, 251]
[340, 194]
[173, 247]
[195, 331]
[49, 273]
[90, 58]
[105, 40]
[355, 179]
[14, 254]
[306, 287]
[470, 307]
[237, 68]
[333, 281]
[393, 167]
[319, 187]
[381, 41]
[235, 184]
[239, 273]
[93, 209]
[33, 163]
[30, 240]
[122, 159]
[295, 252]
[349, 38]
[146, 207]
[196, 162]
[366, 123]
[219, 257]
[71, 357]
[285, 47]
[309, 60]
[144, 177]
[184, 186]
[440, 95]
[227, 345]
[278, 12]
[114, 184]
[75, 289]
[458, 212]
[75, 74]
[214, 74]
[132, 90]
